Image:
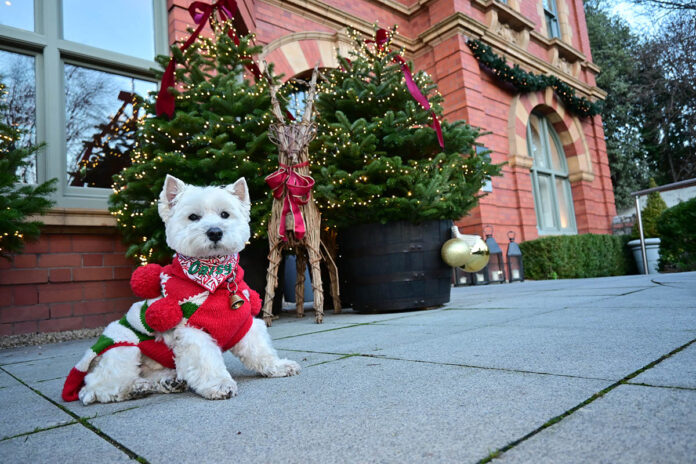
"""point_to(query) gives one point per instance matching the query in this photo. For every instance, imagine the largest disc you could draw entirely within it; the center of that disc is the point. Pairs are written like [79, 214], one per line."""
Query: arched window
[553, 200]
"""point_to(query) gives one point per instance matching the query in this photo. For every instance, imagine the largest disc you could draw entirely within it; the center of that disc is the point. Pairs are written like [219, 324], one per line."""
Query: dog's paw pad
[174, 385]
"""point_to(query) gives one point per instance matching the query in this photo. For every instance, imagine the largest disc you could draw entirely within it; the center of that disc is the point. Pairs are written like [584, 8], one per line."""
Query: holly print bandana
[209, 272]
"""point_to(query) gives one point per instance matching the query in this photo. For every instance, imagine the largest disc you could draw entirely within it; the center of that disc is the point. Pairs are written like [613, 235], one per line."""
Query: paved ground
[596, 370]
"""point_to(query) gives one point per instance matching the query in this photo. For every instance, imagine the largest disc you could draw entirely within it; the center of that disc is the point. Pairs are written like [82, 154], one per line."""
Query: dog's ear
[241, 191]
[171, 189]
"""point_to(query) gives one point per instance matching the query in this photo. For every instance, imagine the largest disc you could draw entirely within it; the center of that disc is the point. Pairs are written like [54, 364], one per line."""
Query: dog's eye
[194, 217]
[224, 215]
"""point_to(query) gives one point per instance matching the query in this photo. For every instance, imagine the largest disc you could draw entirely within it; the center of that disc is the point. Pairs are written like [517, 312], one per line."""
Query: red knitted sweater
[215, 316]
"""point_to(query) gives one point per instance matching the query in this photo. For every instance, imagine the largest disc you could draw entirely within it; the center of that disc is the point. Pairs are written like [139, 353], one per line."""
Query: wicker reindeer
[295, 219]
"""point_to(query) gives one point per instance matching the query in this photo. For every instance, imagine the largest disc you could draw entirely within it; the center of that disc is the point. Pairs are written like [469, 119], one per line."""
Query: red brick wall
[65, 282]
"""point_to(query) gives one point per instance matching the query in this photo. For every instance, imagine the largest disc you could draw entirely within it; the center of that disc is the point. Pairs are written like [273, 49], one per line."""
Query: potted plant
[650, 216]
[384, 181]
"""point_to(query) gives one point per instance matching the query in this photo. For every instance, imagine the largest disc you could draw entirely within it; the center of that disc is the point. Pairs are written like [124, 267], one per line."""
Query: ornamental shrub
[576, 256]
[650, 215]
[677, 227]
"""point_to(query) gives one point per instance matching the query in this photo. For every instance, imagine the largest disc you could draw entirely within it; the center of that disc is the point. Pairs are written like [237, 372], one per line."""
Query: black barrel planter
[395, 266]
[254, 261]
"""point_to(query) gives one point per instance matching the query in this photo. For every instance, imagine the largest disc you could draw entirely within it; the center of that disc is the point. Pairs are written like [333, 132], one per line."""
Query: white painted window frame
[51, 53]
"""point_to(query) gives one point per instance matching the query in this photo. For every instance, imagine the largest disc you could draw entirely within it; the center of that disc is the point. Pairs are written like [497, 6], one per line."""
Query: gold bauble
[455, 252]
[478, 256]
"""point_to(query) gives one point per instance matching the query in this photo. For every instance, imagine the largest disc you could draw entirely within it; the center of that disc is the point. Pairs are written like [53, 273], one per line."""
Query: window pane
[545, 202]
[18, 75]
[556, 161]
[124, 26]
[99, 123]
[297, 102]
[562, 191]
[552, 26]
[17, 13]
[536, 145]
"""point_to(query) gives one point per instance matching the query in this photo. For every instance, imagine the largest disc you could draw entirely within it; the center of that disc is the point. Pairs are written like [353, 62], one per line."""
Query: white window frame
[551, 17]
[546, 133]
[51, 53]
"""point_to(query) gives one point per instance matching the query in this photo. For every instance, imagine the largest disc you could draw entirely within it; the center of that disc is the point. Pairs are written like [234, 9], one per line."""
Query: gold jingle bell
[236, 301]
[479, 254]
[455, 252]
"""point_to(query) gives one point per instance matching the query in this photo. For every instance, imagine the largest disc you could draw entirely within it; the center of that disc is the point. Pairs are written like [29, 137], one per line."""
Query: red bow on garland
[294, 188]
[381, 40]
[201, 13]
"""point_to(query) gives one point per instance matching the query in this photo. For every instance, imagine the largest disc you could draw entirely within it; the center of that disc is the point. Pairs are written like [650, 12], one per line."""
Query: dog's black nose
[214, 234]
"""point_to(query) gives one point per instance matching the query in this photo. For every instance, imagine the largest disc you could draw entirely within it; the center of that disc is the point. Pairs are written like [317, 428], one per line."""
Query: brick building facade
[75, 276]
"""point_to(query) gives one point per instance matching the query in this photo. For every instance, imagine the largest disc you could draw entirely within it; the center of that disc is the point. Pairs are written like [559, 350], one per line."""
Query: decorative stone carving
[506, 32]
[565, 66]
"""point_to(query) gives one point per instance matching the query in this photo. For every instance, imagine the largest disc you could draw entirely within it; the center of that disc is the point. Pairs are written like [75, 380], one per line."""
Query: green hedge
[576, 256]
[677, 227]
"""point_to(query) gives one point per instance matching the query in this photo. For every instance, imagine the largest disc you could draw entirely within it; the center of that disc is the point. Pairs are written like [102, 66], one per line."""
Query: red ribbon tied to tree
[381, 40]
[201, 13]
[294, 188]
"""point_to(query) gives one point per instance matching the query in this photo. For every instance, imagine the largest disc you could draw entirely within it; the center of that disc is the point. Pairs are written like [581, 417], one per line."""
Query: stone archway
[295, 53]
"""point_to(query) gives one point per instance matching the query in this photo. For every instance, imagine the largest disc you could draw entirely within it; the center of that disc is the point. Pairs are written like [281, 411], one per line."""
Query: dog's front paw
[283, 368]
[221, 391]
[87, 397]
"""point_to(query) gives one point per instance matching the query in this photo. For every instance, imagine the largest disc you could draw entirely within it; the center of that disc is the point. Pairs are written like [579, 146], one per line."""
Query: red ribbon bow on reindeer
[294, 188]
[201, 13]
[381, 40]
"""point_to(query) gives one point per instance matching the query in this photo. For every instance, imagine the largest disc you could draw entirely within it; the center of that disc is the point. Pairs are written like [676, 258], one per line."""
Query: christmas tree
[18, 201]
[377, 158]
[216, 135]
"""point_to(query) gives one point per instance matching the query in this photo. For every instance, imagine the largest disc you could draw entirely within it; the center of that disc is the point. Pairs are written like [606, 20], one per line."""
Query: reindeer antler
[309, 101]
[273, 89]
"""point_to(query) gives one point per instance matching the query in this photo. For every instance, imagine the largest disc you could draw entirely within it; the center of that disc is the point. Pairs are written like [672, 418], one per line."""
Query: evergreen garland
[217, 134]
[17, 201]
[376, 158]
[529, 82]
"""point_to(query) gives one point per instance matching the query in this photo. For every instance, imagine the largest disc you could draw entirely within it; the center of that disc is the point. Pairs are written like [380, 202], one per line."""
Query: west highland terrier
[195, 309]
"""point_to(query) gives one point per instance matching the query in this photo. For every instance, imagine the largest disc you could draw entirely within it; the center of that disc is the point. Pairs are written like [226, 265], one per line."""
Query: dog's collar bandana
[209, 272]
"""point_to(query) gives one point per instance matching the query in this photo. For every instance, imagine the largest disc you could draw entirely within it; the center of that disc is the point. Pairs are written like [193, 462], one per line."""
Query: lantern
[496, 264]
[514, 260]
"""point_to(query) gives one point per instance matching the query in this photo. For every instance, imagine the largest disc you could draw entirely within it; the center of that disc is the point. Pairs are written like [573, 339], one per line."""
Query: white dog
[198, 307]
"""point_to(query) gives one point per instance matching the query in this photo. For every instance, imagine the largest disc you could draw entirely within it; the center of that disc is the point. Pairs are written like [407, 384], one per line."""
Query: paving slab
[676, 371]
[592, 317]
[48, 351]
[288, 325]
[586, 352]
[7, 380]
[354, 410]
[630, 424]
[24, 411]
[467, 318]
[367, 339]
[72, 443]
